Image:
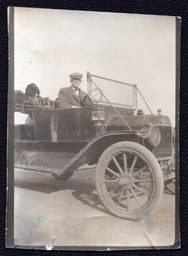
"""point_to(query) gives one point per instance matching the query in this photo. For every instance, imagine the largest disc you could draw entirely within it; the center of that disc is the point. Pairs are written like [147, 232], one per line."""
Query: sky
[137, 49]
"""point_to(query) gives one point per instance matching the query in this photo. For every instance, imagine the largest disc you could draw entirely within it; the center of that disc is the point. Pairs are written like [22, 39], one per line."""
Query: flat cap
[76, 75]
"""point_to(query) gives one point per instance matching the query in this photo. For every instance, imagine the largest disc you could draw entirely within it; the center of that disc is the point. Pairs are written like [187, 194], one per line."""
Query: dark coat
[68, 98]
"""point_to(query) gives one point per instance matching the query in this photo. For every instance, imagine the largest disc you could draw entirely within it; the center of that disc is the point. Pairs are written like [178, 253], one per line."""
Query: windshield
[106, 91]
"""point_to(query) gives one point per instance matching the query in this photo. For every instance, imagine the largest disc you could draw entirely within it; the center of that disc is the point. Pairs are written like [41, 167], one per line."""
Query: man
[73, 96]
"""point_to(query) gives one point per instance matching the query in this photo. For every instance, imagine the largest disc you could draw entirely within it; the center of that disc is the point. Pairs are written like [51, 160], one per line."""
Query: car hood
[136, 122]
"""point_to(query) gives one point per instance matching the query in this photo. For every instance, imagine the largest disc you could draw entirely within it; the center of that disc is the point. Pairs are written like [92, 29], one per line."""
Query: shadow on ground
[82, 184]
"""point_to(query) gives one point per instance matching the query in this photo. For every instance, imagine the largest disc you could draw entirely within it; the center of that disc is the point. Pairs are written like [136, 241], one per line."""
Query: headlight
[155, 136]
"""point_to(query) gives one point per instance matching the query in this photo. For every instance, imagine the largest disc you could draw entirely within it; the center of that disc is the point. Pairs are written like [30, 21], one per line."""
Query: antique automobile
[132, 151]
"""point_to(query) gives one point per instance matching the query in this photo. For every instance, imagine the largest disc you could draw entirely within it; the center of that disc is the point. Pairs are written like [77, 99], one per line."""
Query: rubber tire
[157, 174]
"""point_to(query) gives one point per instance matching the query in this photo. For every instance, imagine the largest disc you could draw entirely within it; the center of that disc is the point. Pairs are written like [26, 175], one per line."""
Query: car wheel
[129, 180]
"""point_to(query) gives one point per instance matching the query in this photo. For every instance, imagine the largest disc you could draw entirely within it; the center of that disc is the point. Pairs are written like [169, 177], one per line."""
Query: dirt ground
[49, 212]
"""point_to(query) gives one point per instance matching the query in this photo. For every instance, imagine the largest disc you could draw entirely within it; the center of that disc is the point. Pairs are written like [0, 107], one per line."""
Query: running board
[38, 169]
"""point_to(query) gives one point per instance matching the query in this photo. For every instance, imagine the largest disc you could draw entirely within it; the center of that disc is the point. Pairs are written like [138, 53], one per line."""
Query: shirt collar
[75, 89]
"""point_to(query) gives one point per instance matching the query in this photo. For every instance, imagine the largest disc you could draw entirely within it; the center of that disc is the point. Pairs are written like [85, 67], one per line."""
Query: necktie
[77, 91]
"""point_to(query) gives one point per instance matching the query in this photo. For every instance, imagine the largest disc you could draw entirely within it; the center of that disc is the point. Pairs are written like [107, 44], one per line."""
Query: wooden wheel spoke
[135, 196]
[125, 163]
[113, 190]
[141, 190]
[117, 164]
[138, 172]
[143, 181]
[128, 199]
[111, 171]
[121, 194]
[133, 164]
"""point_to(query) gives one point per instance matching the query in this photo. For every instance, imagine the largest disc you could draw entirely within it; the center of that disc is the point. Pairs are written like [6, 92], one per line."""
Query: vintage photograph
[94, 113]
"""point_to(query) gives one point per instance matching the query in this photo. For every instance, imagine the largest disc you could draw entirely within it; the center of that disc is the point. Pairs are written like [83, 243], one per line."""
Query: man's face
[75, 82]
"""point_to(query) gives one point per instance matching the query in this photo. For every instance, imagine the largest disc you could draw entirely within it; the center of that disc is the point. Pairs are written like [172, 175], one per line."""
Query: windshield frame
[92, 86]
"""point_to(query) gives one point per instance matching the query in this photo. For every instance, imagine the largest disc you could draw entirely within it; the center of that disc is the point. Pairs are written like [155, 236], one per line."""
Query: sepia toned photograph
[93, 145]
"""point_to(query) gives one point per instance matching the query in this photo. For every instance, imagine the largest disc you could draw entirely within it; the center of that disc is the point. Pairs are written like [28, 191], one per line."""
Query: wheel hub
[125, 180]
